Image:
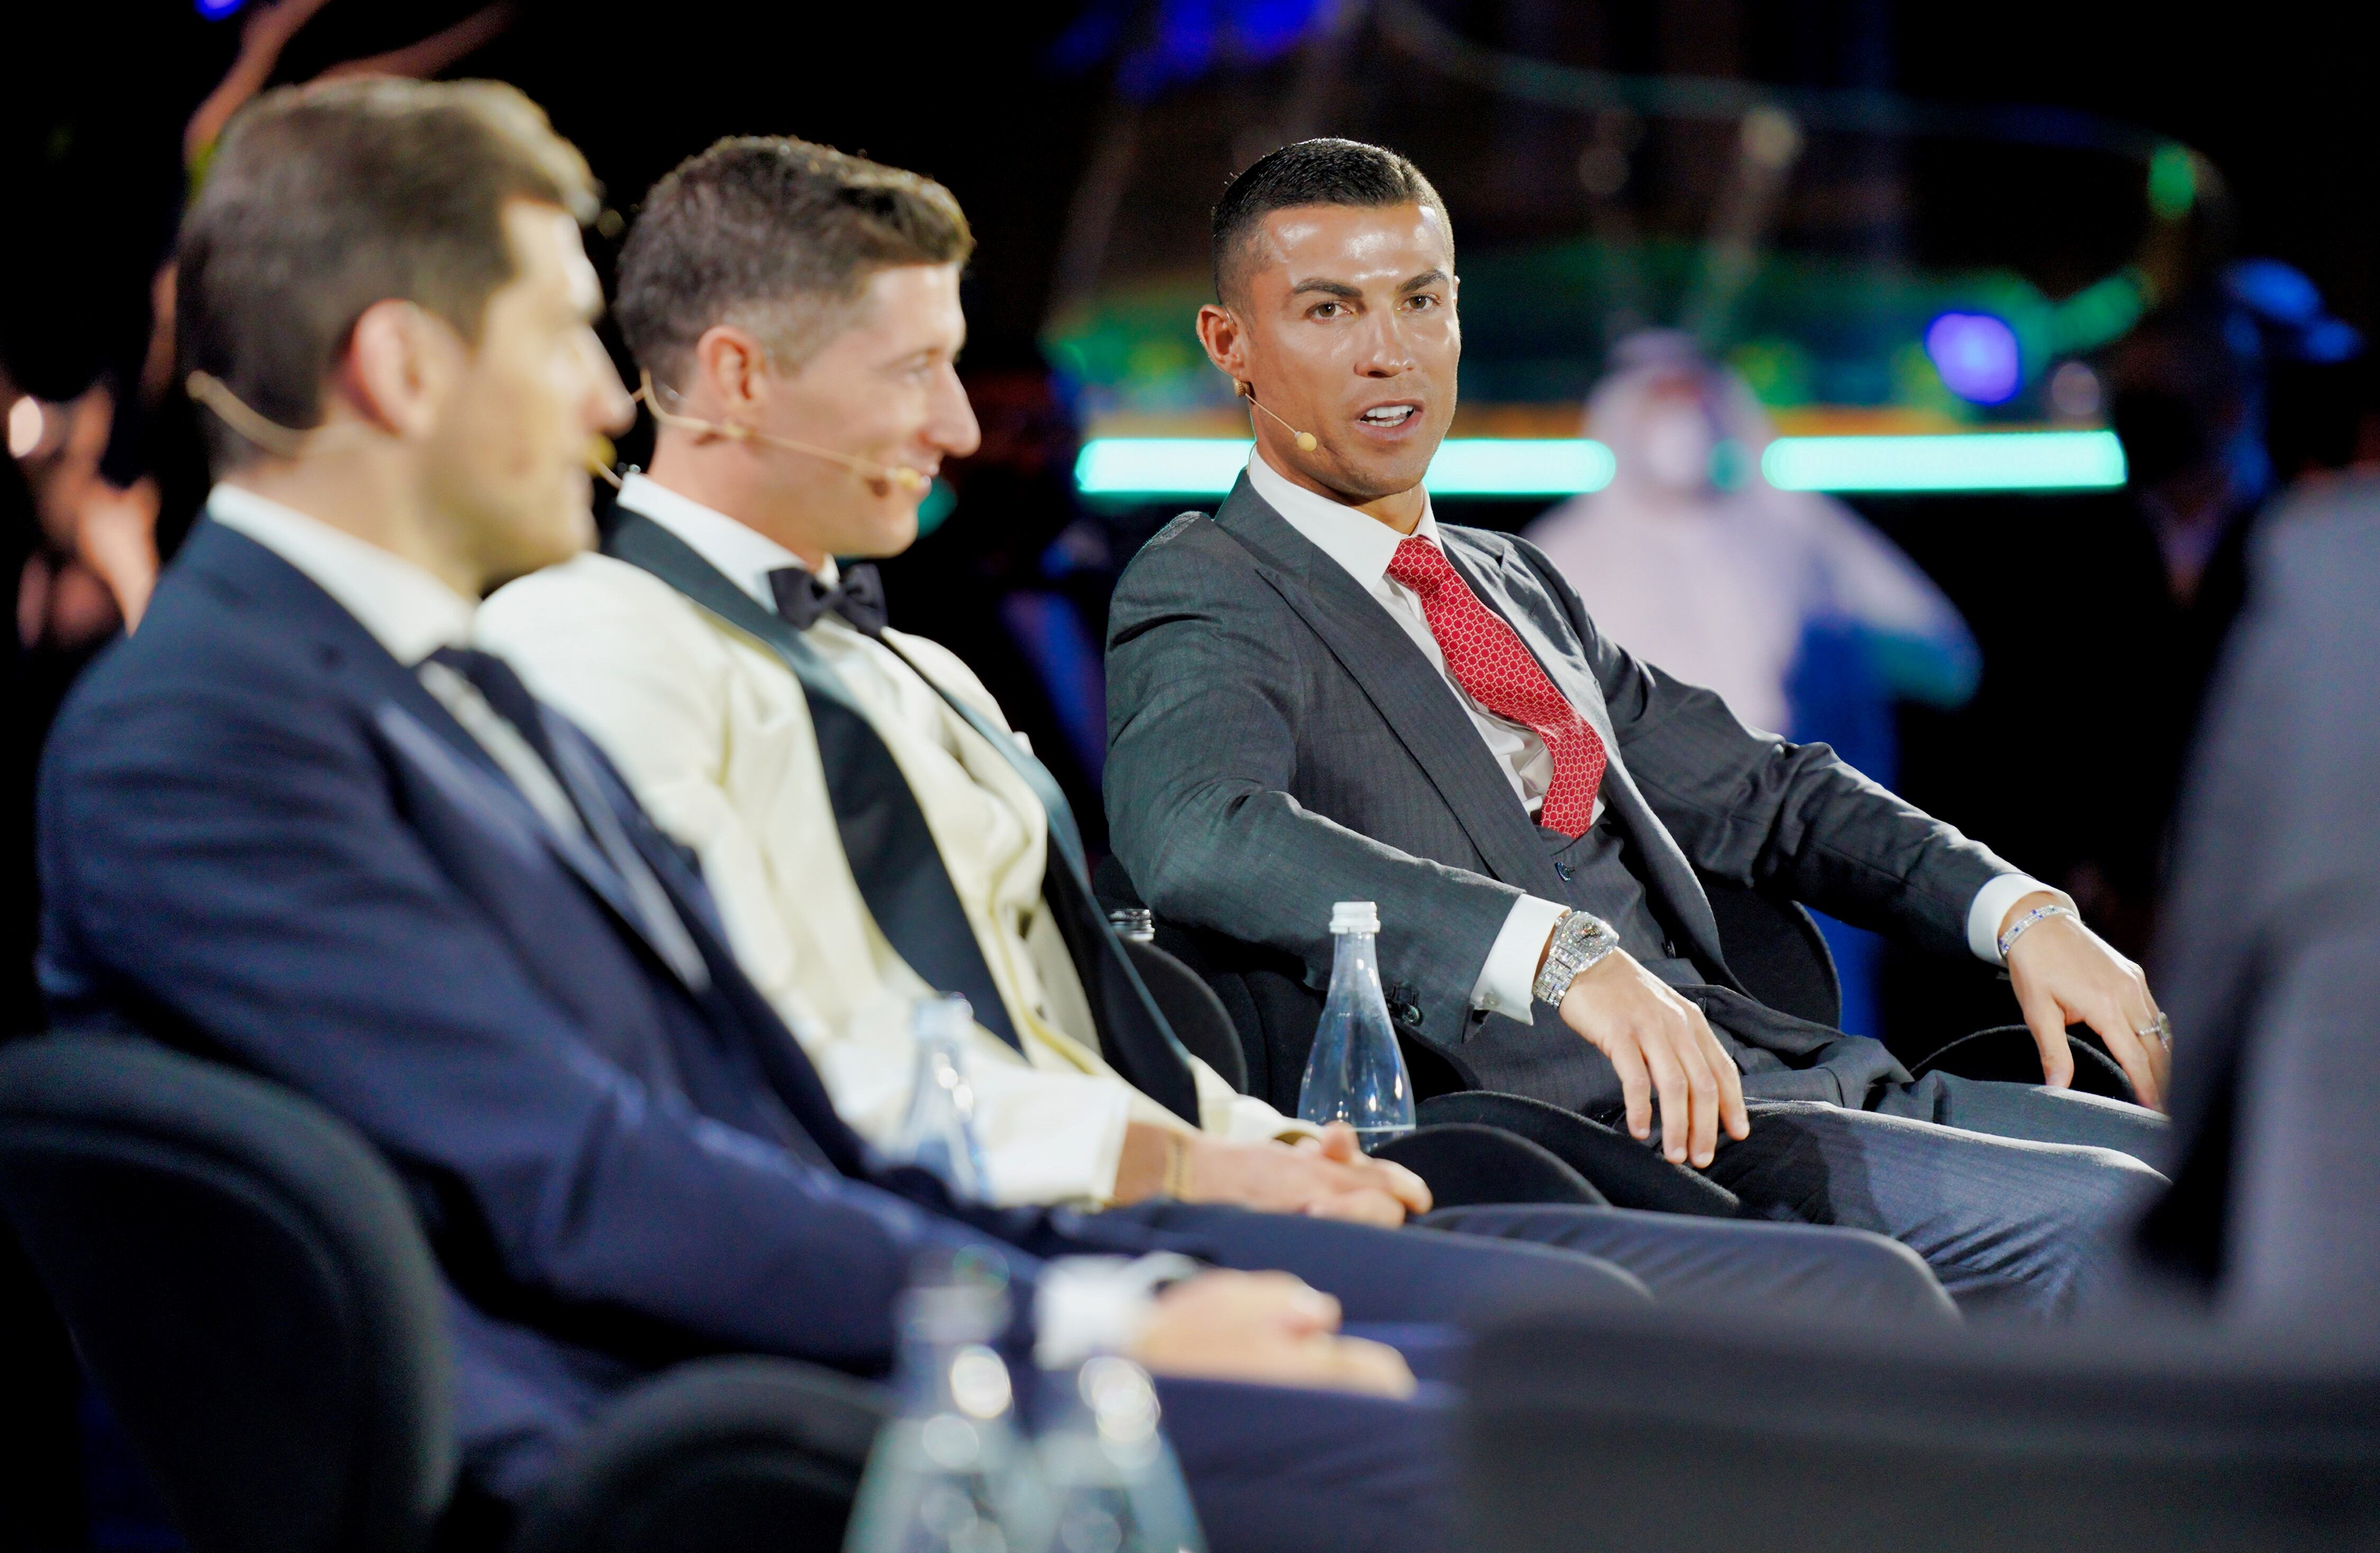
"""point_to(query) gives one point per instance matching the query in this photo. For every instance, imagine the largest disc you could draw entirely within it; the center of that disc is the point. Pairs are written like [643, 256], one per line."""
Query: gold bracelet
[1177, 1168]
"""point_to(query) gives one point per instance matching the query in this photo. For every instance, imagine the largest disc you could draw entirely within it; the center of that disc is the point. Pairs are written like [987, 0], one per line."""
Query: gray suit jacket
[2269, 962]
[1278, 743]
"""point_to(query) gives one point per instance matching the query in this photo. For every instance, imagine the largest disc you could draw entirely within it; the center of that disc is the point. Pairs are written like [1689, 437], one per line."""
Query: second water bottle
[1356, 1075]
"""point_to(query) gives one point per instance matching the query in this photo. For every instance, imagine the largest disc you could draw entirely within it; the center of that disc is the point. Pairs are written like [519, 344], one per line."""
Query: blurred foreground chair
[1670, 1436]
[248, 1288]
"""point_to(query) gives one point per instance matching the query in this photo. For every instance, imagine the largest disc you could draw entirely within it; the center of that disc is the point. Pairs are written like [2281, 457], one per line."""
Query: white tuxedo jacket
[714, 732]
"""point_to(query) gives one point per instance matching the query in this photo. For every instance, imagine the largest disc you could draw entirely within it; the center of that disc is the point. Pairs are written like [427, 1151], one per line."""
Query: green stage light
[1152, 468]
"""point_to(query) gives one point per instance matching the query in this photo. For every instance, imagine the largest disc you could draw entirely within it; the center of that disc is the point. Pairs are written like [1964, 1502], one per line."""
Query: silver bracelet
[2016, 929]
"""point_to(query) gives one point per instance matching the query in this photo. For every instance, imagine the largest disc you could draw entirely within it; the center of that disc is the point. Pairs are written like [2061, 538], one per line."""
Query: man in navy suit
[294, 825]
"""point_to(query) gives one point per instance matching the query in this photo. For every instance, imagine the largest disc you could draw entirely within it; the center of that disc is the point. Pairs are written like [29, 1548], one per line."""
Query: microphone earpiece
[899, 477]
[599, 456]
[1306, 442]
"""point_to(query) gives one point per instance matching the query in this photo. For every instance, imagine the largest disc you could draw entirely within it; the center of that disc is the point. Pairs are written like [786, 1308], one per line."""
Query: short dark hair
[321, 201]
[1311, 173]
[776, 236]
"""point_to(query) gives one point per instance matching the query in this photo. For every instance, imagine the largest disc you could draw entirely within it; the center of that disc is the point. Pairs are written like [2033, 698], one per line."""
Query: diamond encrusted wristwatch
[1579, 940]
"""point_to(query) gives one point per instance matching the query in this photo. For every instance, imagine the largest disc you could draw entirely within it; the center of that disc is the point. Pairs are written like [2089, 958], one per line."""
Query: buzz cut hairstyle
[775, 235]
[321, 201]
[1321, 171]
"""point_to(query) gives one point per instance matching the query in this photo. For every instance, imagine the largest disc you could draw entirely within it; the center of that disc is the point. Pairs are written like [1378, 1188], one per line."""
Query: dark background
[2052, 763]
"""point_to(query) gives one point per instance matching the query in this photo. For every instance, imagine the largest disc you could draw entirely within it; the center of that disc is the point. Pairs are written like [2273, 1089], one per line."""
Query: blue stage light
[1977, 356]
[215, 10]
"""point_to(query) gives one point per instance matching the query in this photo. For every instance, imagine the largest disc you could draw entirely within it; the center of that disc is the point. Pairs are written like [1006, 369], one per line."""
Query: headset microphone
[899, 477]
[1305, 440]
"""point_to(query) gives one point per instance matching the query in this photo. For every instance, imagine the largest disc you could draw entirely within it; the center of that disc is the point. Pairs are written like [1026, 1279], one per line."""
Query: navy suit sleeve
[239, 869]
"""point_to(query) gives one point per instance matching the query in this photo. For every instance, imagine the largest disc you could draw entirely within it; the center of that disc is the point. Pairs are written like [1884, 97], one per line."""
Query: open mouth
[1389, 416]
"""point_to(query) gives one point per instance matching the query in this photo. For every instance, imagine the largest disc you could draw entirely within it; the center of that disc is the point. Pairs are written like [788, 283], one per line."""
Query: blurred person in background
[2192, 398]
[1805, 620]
[2270, 948]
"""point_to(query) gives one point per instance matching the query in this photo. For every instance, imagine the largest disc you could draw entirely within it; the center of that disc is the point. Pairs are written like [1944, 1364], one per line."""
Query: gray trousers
[1730, 1264]
[2008, 1191]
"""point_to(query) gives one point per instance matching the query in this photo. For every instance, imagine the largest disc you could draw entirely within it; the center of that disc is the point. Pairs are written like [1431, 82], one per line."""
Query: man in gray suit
[1321, 694]
[2272, 943]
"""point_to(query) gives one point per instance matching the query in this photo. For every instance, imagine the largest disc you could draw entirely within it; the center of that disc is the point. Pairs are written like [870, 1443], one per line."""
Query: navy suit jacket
[263, 840]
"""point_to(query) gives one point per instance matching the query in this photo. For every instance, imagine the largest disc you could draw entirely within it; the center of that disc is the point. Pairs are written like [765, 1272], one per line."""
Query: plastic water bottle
[1356, 1075]
[1112, 1481]
[938, 1133]
[950, 1474]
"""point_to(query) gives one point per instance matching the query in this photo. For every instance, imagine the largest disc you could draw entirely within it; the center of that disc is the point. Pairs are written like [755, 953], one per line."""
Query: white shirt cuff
[1992, 902]
[1508, 980]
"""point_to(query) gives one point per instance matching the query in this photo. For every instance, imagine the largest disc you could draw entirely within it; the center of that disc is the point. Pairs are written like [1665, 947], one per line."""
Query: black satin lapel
[884, 834]
[1134, 1035]
[1413, 698]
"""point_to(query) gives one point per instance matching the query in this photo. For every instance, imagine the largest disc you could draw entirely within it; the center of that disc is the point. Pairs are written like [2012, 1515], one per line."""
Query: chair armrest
[1468, 1166]
[1628, 1173]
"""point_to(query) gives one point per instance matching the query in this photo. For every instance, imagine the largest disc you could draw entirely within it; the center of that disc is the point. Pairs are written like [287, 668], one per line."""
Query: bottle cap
[1356, 917]
[945, 1018]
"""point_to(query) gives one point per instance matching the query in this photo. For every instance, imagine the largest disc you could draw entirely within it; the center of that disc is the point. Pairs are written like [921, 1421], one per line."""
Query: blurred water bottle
[1356, 1073]
[950, 1474]
[1112, 1481]
[938, 1133]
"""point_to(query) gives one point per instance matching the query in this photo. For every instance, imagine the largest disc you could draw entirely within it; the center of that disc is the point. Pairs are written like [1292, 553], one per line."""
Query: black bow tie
[803, 596]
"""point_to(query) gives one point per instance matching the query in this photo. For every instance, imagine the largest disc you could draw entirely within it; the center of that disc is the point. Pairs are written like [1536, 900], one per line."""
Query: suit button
[1566, 871]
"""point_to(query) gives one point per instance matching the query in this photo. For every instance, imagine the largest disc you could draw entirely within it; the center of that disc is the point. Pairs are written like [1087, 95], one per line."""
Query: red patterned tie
[1492, 666]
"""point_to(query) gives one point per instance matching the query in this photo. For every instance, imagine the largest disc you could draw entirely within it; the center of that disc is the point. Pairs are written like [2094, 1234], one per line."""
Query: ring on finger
[2159, 1029]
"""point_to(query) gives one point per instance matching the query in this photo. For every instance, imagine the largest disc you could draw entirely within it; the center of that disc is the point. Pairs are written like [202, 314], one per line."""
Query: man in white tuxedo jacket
[872, 831]
[720, 739]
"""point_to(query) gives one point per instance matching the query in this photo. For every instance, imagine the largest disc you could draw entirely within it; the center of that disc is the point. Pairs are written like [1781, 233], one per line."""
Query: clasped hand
[1266, 1327]
[1326, 1177]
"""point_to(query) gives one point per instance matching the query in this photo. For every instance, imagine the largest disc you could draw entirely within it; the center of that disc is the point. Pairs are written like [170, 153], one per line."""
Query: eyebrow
[1427, 278]
[1328, 288]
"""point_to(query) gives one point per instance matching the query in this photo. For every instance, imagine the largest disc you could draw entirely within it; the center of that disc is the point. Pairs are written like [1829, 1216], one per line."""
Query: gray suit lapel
[1412, 697]
[1510, 586]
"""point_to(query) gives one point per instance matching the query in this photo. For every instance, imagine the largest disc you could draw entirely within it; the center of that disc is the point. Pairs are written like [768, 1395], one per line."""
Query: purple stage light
[1977, 356]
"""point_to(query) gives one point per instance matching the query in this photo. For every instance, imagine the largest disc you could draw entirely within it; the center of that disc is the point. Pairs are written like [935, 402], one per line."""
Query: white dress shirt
[713, 733]
[1364, 546]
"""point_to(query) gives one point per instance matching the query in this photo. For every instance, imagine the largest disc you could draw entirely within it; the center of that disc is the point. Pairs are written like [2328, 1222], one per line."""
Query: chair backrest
[1775, 950]
[247, 1285]
[1200, 1021]
[722, 1454]
[1661, 1431]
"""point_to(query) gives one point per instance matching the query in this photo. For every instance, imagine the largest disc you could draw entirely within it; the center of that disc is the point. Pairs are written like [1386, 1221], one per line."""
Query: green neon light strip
[1964, 461]
[1158, 467]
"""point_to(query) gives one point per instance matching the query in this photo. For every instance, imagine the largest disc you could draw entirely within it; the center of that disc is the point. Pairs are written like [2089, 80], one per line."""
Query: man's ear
[1226, 341]
[730, 367]
[401, 362]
